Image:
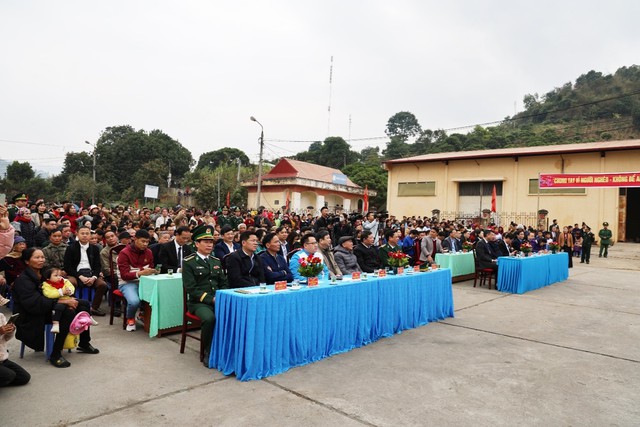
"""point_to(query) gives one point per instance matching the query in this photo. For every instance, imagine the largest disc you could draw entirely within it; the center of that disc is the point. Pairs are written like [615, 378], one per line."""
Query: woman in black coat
[35, 310]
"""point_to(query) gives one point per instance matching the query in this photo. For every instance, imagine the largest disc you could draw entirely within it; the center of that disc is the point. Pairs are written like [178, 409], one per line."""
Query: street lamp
[253, 119]
[93, 196]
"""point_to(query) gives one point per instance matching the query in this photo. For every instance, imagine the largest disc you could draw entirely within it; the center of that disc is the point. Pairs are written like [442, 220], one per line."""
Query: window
[484, 188]
[276, 202]
[533, 189]
[413, 189]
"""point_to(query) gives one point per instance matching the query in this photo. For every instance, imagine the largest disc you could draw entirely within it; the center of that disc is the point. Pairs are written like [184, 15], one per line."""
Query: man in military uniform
[605, 239]
[224, 219]
[587, 240]
[236, 219]
[19, 201]
[392, 237]
[202, 275]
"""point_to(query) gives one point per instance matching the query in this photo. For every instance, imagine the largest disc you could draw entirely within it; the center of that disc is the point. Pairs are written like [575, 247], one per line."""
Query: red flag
[136, 203]
[228, 198]
[286, 205]
[494, 197]
[365, 206]
[81, 204]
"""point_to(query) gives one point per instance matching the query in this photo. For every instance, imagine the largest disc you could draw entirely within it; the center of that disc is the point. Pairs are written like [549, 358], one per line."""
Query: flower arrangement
[554, 246]
[310, 266]
[398, 259]
[526, 247]
[467, 246]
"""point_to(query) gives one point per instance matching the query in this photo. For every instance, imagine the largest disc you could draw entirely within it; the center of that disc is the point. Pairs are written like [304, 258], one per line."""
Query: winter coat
[346, 260]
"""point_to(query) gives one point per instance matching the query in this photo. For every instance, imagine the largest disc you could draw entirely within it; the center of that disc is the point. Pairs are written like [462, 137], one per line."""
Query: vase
[553, 251]
[526, 254]
[394, 270]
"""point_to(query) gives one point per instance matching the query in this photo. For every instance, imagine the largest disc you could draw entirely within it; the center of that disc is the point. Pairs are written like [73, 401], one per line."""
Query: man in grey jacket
[344, 256]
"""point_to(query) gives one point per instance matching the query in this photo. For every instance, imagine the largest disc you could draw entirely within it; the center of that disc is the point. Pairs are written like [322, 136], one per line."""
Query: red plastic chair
[189, 319]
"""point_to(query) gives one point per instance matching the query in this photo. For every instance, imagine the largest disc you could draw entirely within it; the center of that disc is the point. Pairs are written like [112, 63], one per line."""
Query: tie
[453, 245]
[180, 256]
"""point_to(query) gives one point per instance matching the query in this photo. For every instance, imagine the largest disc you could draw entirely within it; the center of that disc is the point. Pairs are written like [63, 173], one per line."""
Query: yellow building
[460, 184]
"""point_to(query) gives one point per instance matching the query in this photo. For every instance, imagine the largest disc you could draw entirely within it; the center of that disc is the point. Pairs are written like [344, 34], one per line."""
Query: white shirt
[84, 258]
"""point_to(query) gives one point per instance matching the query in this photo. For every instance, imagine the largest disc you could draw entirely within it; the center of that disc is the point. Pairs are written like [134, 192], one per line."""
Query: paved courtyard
[567, 354]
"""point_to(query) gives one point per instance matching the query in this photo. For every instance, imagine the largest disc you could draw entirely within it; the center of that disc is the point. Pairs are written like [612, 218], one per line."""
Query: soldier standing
[587, 240]
[202, 276]
[224, 219]
[605, 239]
[236, 219]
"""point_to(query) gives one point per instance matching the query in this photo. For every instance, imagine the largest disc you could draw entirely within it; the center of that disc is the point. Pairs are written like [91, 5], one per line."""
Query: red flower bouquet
[398, 259]
[310, 266]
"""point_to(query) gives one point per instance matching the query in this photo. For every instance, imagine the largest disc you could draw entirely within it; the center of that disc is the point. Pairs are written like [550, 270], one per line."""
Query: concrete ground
[567, 354]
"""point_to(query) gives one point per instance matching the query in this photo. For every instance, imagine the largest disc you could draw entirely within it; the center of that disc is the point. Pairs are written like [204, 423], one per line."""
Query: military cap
[20, 196]
[237, 209]
[606, 224]
[203, 232]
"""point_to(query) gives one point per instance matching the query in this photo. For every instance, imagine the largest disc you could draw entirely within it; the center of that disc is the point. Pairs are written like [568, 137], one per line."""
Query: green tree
[404, 125]
[81, 187]
[213, 159]
[372, 176]
[397, 148]
[18, 172]
[333, 152]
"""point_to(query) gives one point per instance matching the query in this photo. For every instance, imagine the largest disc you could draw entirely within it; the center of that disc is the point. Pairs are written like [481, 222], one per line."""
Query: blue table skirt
[257, 336]
[520, 275]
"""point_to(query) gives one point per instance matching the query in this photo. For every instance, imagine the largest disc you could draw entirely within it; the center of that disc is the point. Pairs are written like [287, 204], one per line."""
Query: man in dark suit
[452, 243]
[83, 267]
[172, 254]
[283, 233]
[366, 253]
[484, 253]
[225, 246]
[244, 267]
[503, 247]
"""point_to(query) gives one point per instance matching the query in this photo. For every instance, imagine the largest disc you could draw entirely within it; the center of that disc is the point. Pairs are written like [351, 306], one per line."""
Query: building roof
[540, 150]
[288, 168]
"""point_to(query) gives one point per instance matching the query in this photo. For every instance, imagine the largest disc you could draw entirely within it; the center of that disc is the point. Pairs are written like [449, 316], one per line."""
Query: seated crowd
[57, 251]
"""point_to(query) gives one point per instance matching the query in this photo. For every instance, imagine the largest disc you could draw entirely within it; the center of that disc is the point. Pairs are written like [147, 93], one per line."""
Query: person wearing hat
[236, 219]
[344, 256]
[19, 201]
[605, 236]
[587, 240]
[202, 276]
[224, 218]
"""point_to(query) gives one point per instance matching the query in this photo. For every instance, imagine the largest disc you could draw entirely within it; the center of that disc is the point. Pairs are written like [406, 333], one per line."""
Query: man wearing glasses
[309, 247]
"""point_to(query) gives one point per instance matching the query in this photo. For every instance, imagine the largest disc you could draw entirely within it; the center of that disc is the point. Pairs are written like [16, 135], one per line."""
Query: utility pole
[259, 162]
[93, 194]
[218, 173]
[239, 164]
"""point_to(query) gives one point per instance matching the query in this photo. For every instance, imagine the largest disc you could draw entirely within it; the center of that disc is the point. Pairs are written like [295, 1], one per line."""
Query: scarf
[58, 285]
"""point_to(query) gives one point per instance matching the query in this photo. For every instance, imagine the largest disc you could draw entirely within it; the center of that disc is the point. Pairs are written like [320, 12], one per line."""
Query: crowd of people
[54, 250]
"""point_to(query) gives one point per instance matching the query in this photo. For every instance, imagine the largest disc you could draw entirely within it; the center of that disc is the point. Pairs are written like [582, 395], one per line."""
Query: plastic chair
[49, 338]
[115, 294]
[189, 319]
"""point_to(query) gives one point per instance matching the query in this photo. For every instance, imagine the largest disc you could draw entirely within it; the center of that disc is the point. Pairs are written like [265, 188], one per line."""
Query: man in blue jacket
[274, 265]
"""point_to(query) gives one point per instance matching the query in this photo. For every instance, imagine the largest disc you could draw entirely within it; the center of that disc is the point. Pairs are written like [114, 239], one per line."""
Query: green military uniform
[587, 240]
[202, 277]
[224, 219]
[384, 254]
[236, 220]
[605, 236]
[14, 209]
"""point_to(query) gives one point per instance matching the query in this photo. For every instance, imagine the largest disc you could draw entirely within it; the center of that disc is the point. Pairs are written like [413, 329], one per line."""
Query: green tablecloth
[460, 263]
[164, 295]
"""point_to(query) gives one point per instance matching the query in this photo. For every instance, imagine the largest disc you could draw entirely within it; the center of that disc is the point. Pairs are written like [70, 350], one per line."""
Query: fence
[502, 219]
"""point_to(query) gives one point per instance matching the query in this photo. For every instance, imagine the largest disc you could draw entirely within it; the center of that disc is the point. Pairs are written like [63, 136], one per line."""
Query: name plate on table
[434, 266]
[382, 273]
[281, 285]
[312, 281]
[400, 270]
[416, 269]
[355, 275]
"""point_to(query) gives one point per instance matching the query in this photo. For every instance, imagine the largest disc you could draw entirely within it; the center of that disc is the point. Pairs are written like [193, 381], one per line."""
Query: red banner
[582, 180]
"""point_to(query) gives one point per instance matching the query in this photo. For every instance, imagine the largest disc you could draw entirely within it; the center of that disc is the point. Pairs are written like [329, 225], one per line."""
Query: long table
[462, 264]
[164, 295]
[520, 275]
[260, 335]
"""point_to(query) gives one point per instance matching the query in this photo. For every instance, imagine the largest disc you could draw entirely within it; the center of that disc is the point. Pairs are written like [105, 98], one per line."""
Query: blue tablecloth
[257, 336]
[520, 275]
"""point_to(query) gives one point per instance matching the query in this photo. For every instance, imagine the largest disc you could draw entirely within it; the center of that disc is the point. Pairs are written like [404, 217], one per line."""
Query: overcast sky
[199, 69]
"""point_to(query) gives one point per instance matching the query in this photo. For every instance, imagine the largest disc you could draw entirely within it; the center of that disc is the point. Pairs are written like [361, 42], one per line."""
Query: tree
[74, 163]
[81, 187]
[372, 176]
[213, 159]
[397, 148]
[20, 172]
[121, 151]
[404, 125]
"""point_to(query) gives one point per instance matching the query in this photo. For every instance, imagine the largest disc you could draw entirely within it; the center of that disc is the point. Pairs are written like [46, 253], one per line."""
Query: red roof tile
[289, 168]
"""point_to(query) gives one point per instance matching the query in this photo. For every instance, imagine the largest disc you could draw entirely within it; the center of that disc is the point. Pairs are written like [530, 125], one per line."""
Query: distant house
[294, 185]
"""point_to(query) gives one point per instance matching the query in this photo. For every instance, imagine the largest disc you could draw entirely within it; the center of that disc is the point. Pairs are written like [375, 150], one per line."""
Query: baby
[57, 287]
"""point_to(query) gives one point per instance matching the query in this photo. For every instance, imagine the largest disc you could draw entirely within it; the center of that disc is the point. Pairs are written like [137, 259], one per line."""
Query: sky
[198, 70]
